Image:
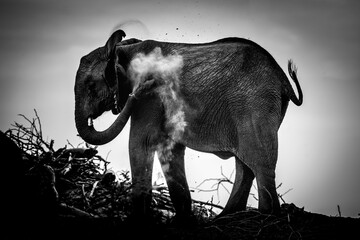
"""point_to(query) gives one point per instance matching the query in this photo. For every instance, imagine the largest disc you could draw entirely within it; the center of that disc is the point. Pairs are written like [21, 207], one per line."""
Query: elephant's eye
[92, 88]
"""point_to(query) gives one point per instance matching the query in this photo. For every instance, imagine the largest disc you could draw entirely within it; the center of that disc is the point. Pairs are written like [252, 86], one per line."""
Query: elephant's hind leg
[263, 162]
[268, 198]
[241, 188]
[172, 163]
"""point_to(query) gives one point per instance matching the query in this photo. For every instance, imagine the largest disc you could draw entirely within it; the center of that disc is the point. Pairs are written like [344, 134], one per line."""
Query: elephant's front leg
[141, 163]
[171, 156]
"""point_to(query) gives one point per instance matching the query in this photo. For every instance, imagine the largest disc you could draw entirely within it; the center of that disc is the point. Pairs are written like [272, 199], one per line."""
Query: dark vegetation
[69, 193]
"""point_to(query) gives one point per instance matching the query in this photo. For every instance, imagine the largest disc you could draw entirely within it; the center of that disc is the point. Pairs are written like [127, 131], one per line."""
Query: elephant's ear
[116, 37]
[114, 72]
[110, 70]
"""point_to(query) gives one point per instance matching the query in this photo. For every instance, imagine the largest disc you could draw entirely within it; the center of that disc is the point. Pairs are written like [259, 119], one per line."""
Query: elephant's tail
[291, 94]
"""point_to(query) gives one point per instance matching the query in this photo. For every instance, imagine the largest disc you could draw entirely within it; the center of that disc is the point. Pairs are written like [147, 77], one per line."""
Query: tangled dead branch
[220, 183]
[81, 184]
[30, 138]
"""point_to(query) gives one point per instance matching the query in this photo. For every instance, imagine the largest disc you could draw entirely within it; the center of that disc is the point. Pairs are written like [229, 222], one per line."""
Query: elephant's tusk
[90, 121]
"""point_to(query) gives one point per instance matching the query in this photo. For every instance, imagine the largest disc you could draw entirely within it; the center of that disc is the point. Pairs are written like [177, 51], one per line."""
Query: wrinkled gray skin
[236, 94]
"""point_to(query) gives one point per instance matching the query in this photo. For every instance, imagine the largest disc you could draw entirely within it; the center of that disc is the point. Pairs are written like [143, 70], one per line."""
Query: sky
[42, 41]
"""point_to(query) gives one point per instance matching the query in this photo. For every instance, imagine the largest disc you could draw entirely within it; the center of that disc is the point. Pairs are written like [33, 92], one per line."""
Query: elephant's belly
[210, 139]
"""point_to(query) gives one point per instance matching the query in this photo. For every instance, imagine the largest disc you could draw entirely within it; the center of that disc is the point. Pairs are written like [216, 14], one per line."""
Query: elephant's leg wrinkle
[141, 163]
[265, 177]
[241, 188]
[173, 167]
[260, 155]
[268, 198]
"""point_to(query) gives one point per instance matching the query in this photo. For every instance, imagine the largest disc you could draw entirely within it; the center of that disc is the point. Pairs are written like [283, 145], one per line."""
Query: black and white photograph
[168, 119]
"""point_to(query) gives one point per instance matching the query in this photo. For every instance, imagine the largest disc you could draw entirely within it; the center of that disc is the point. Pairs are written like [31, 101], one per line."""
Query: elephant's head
[101, 85]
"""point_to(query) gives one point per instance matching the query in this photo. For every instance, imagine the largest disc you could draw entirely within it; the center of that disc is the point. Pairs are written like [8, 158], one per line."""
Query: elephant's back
[229, 69]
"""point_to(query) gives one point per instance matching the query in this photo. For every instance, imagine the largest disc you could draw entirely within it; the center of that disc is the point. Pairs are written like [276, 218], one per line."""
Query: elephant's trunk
[87, 131]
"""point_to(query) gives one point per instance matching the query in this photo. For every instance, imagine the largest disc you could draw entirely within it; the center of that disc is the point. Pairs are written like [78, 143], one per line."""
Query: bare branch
[208, 204]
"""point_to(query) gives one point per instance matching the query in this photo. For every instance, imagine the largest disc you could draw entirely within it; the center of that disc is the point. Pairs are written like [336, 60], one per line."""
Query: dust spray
[166, 71]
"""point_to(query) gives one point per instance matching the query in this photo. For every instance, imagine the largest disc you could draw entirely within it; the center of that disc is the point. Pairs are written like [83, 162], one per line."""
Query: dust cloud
[166, 71]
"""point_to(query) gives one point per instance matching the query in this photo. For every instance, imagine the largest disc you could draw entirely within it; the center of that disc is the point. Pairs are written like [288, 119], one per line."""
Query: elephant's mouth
[102, 117]
[103, 108]
[104, 120]
[101, 122]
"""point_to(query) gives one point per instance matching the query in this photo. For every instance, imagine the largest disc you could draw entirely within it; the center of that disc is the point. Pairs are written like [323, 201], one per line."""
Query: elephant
[235, 97]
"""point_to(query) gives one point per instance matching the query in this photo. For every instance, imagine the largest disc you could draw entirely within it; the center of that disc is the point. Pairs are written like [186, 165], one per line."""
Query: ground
[294, 223]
